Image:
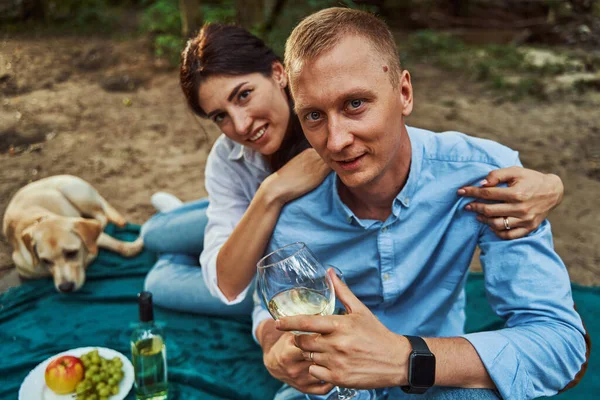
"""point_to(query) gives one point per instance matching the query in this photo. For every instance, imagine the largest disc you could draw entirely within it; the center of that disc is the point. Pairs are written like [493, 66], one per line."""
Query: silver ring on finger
[506, 225]
[311, 356]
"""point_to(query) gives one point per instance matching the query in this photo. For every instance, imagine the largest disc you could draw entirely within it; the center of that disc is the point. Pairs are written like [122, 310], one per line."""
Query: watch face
[422, 370]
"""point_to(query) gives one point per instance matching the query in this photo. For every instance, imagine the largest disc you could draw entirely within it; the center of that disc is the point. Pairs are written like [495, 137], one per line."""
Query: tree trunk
[250, 13]
[191, 16]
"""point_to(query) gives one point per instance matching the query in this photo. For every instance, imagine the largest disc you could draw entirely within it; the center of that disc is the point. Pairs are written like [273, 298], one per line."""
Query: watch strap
[419, 346]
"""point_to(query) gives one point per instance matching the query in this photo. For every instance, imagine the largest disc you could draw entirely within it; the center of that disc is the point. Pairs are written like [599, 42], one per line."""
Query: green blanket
[208, 357]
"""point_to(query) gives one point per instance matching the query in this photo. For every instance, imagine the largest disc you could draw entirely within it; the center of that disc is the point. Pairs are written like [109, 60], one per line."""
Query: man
[390, 218]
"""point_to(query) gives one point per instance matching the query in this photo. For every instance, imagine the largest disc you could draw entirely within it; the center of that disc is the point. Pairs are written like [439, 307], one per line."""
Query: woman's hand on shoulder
[299, 176]
[525, 203]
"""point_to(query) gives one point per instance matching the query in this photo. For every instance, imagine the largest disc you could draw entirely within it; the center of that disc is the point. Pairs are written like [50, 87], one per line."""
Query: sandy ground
[109, 113]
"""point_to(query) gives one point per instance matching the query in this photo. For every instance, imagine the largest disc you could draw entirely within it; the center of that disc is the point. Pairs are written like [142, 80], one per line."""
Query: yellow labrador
[45, 226]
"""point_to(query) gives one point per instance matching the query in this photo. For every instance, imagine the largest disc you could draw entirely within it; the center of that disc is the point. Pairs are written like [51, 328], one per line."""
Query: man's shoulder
[457, 147]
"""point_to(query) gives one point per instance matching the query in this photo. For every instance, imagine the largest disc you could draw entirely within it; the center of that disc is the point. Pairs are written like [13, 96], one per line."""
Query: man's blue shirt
[411, 269]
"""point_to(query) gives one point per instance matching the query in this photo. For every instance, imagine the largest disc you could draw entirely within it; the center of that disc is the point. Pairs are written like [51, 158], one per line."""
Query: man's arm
[543, 346]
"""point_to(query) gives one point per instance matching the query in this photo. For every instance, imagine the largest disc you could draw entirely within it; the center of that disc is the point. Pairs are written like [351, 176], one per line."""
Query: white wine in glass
[292, 281]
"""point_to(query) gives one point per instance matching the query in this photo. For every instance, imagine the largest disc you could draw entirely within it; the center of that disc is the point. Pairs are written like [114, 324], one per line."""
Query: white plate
[34, 385]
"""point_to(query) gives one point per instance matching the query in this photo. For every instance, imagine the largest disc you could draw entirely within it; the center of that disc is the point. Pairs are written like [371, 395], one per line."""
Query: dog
[45, 225]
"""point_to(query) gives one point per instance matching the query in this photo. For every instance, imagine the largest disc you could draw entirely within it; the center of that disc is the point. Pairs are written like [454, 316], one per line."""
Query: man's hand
[286, 363]
[353, 350]
[526, 202]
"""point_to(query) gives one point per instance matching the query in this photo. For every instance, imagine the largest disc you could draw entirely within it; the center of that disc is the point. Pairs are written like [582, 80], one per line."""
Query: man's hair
[322, 30]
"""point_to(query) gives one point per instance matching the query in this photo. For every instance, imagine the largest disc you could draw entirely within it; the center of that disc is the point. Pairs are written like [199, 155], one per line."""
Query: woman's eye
[244, 94]
[313, 116]
[356, 103]
[219, 118]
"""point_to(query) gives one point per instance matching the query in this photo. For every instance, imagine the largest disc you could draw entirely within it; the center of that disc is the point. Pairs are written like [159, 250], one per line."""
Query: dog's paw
[131, 249]
[120, 222]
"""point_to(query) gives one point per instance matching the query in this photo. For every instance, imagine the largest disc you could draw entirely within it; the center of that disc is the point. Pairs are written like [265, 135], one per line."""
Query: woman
[260, 163]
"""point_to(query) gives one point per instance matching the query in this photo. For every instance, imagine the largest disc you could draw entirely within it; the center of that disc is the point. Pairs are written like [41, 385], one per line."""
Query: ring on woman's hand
[506, 226]
[311, 356]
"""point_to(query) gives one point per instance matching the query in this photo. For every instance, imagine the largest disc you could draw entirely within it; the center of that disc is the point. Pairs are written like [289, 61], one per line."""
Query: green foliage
[294, 12]
[161, 17]
[223, 12]
[501, 67]
[169, 47]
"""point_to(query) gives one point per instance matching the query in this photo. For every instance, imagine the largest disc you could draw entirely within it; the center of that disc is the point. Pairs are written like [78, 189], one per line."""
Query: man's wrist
[401, 355]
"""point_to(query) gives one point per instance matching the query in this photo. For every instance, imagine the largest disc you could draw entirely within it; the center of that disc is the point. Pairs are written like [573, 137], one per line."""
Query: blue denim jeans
[435, 393]
[176, 280]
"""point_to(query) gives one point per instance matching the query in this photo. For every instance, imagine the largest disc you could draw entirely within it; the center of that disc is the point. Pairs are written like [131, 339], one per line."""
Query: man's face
[350, 112]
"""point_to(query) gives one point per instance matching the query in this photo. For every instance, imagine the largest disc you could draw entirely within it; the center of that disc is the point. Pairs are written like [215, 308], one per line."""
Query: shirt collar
[239, 152]
[417, 148]
[406, 194]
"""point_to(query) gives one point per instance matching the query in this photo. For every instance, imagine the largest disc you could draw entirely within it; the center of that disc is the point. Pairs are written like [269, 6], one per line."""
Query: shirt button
[384, 229]
[386, 276]
[406, 200]
[349, 219]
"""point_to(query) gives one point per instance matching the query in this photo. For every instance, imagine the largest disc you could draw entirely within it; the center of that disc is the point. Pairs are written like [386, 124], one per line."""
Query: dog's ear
[88, 230]
[29, 242]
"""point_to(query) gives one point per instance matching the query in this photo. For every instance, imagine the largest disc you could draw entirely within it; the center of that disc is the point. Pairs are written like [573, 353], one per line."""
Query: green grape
[95, 378]
[115, 390]
[103, 398]
[104, 391]
[112, 382]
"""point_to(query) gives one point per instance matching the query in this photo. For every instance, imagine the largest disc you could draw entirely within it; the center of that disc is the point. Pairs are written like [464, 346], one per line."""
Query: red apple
[64, 373]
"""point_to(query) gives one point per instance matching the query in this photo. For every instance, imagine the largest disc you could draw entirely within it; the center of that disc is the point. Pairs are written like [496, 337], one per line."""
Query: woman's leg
[180, 230]
[176, 283]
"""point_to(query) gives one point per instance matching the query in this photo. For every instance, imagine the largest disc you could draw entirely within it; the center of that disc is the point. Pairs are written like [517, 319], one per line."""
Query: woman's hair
[220, 49]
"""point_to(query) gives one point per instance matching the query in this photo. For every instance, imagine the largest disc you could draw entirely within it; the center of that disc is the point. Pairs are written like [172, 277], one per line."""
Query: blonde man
[390, 218]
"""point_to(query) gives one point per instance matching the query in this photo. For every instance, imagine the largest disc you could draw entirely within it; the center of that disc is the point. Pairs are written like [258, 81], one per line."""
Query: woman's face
[252, 109]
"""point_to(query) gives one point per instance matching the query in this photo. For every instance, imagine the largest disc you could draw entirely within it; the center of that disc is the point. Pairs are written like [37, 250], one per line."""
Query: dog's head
[64, 246]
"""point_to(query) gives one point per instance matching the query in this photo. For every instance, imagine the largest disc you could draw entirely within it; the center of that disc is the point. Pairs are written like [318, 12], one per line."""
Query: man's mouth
[350, 163]
[258, 134]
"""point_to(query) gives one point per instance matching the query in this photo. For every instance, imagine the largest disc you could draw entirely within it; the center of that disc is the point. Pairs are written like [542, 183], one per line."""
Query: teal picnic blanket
[208, 357]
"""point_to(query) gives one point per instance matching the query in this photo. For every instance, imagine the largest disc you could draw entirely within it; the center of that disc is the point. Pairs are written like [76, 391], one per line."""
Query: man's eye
[219, 118]
[313, 116]
[356, 103]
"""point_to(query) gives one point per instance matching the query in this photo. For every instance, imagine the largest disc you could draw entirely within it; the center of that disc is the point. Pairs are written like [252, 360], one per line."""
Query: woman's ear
[279, 74]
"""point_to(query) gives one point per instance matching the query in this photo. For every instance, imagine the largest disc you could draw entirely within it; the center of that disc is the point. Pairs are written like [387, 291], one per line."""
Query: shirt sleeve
[227, 205]
[542, 346]
[259, 314]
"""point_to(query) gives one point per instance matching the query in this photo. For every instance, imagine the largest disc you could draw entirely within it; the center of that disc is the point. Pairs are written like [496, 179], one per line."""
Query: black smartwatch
[421, 367]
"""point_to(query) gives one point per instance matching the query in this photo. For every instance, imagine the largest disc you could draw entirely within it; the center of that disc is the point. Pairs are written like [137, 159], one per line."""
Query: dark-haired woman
[260, 163]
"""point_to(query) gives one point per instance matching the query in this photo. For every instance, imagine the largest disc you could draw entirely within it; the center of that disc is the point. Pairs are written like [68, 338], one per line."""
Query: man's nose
[66, 287]
[339, 136]
[242, 123]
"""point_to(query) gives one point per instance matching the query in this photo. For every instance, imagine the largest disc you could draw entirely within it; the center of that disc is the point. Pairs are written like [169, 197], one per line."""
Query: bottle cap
[145, 306]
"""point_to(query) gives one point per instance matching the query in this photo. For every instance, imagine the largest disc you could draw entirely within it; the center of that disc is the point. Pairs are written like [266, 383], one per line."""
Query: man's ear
[88, 230]
[27, 238]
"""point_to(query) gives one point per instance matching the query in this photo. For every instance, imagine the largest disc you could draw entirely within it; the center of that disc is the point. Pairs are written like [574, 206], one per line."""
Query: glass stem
[345, 393]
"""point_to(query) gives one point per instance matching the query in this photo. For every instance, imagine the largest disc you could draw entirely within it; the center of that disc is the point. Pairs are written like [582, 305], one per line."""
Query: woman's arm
[525, 203]
[237, 258]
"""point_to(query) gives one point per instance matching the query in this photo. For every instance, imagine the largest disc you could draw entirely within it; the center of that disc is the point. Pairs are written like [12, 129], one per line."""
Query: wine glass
[292, 281]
